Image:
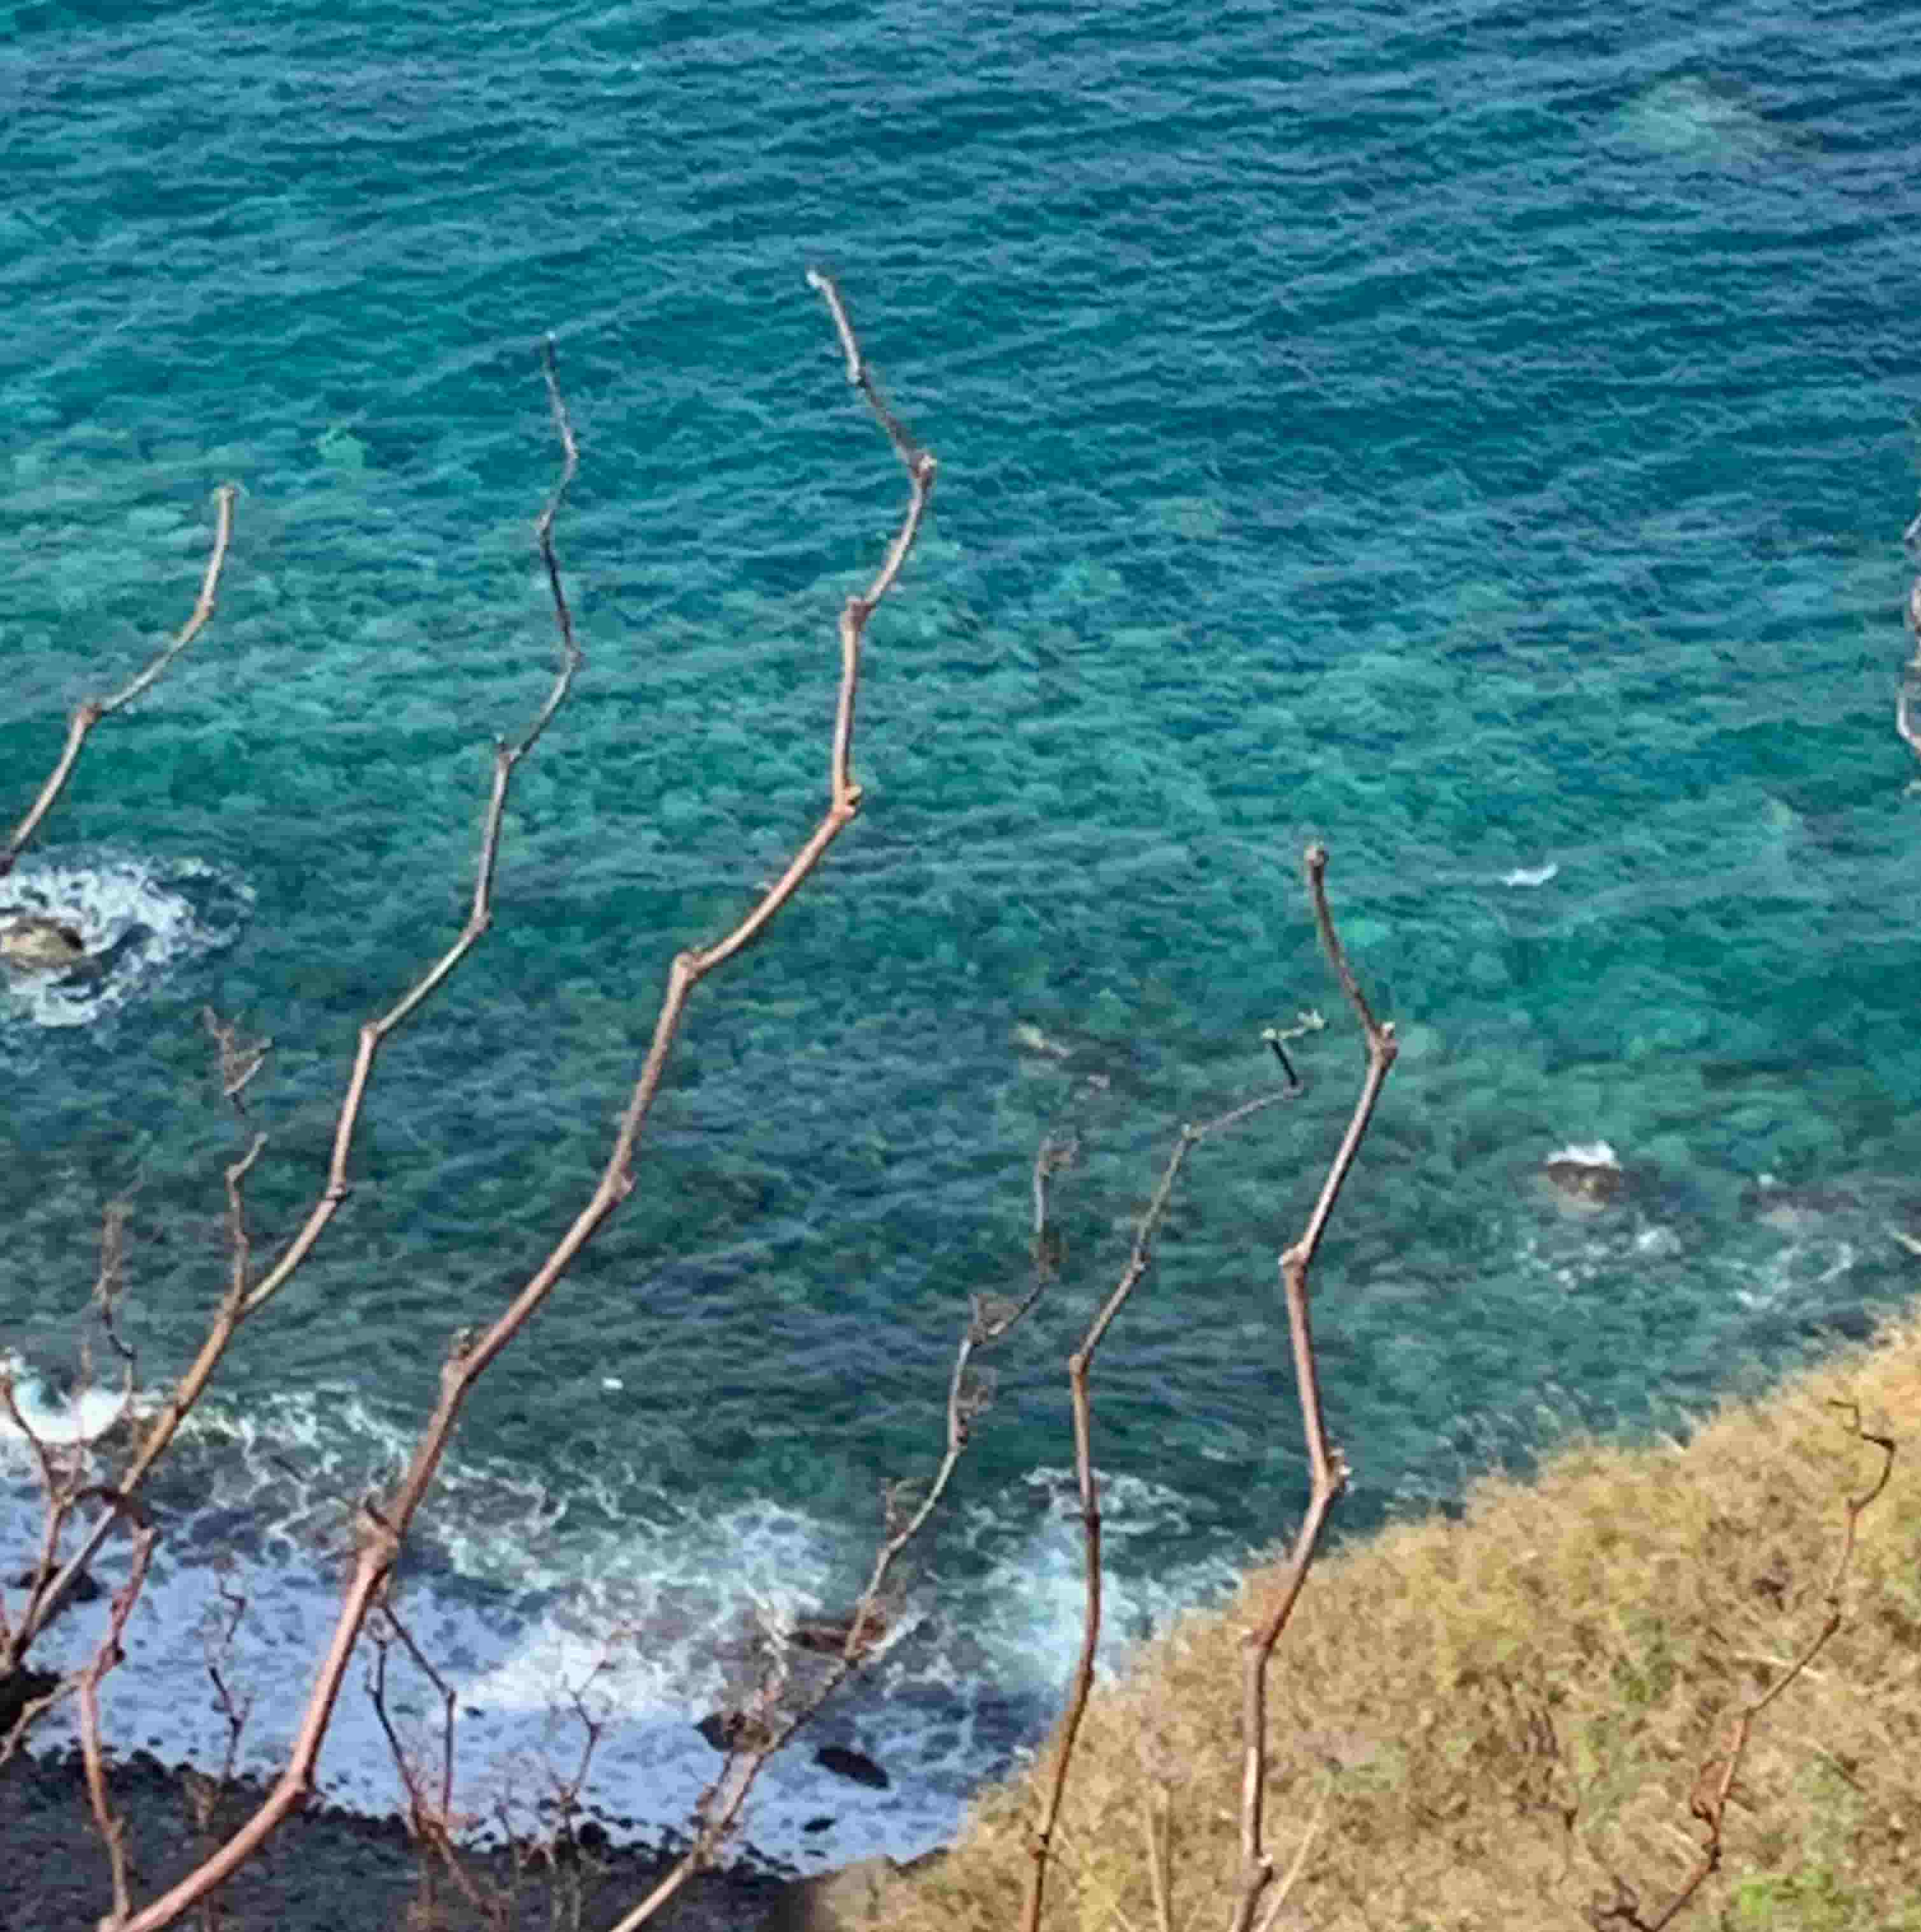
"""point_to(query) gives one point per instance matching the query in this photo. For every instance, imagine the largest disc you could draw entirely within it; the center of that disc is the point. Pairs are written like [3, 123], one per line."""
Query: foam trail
[137, 918]
[647, 1614]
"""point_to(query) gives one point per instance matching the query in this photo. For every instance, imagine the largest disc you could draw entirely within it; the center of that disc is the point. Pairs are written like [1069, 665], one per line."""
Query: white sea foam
[526, 1602]
[58, 1417]
[137, 917]
[1589, 1154]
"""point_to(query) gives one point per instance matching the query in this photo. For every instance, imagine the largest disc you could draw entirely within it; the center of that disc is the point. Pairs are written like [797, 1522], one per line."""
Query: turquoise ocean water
[1478, 437]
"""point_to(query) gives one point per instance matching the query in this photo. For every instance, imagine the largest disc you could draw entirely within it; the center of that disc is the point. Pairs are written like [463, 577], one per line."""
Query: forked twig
[1327, 1466]
[63, 1486]
[766, 1732]
[1715, 1785]
[112, 1827]
[1156, 1828]
[1079, 1369]
[240, 1059]
[430, 1817]
[246, 1297]
[385, 1525]
[90, 711]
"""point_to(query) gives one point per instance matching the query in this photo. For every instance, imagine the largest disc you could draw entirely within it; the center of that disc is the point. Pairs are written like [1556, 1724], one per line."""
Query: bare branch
[767, 1730]
[240, 1059]
[90, 711]
[245, 1298]
[62, 1488]
[110, 1283]
[1157, 1828]
[111, 1826]
[429, 1816]
[1327, 1465]
[386, 1527]
[1079, 1369]
[1715, 1785]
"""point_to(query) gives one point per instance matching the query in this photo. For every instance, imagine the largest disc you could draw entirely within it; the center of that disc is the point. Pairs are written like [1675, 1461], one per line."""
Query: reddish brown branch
[1327, 1466]
[246, 1298]
[62, 1487]
[385, 1527]
[239, 1059]
[1079, 1368]
[429, 1819]
[766, 1731]
[107, 1821]
[1715, 1785]
[90, 711]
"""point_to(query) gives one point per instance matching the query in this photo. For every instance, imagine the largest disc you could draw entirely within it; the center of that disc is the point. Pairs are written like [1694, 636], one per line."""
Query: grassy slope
[1575, 1644]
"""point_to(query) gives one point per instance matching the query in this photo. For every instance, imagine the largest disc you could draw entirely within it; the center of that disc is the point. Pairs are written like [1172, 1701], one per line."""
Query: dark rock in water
[84, 1589]
[854, 1766]
[827, 1635]
[722, 1728]
[21, 1687]
[814, 1825]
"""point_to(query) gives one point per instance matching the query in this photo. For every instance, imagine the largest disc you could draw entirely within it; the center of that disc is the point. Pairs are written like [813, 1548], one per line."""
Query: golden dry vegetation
[1490, 1716]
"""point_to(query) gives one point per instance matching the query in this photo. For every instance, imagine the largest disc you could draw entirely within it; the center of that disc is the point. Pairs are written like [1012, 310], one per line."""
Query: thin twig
[1079, 1369]
[62, 1486]
[430, 1820]
[110, 1286]
[90, 711]
[1155, 1824]
[1715, 1784]
[251, 1296]
[767, 1730]
[240, 1059]
[112, 1827]
[1327, 1465]
[1292, 1877]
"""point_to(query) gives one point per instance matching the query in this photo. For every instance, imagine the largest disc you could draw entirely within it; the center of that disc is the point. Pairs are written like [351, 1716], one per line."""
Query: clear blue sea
[1476, 436]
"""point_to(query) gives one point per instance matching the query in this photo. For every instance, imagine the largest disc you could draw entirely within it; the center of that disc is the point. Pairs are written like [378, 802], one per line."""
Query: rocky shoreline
[330, 1870]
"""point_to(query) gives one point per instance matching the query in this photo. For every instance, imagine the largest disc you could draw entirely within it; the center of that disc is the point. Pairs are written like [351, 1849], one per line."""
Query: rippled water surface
[1478, 438]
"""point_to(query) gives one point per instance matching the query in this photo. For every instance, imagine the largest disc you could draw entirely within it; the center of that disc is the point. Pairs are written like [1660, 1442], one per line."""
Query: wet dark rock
[827, 1635]
[722, 1728]
[854, 1766]
[19, 1688]
[84, 1589]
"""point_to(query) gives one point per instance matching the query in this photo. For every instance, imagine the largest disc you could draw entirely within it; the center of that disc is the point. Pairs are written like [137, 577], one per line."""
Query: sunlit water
[1479, 440]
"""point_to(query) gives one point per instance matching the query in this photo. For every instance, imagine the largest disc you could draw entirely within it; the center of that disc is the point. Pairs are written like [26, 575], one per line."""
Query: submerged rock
[1796, 1210]
[34, 943]
[827, 1635]
[84, 1589]
[722, 1729]
[856, 1766]
[1586, 1179]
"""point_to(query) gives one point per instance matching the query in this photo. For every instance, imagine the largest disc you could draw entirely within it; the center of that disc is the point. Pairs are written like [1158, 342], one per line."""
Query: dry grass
[1503, 1711]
